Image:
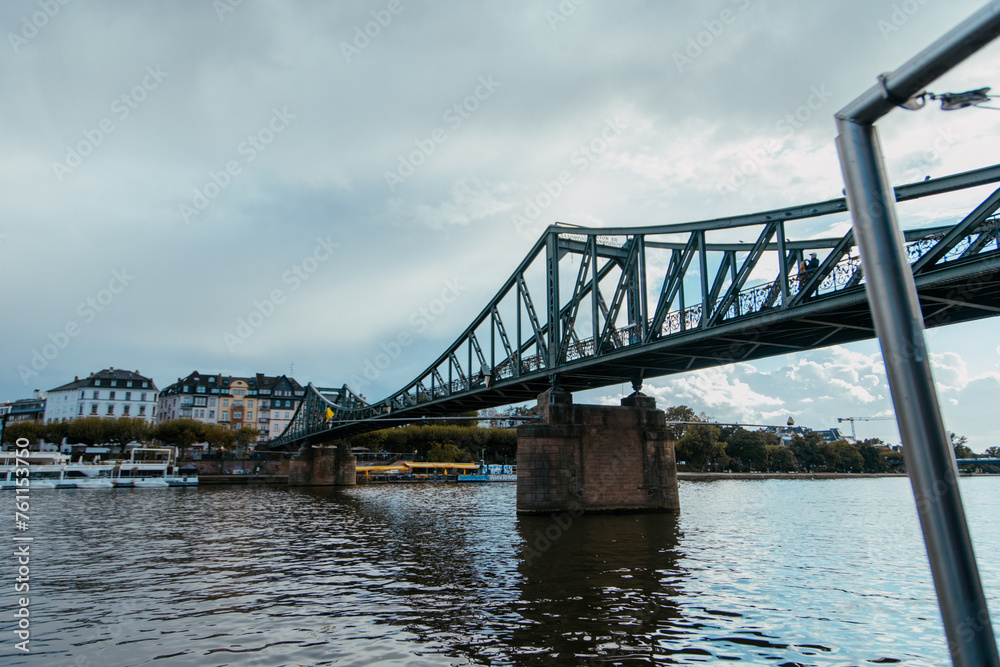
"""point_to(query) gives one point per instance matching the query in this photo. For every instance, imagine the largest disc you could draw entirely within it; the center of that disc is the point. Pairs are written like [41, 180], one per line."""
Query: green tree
[56, 431]
[700, 445]
[181, 433]
[842, 456]
[679, 413]
[807, 450]
[872, 456]
[473, 420]
[750, 448]
[497, 444]
[245, 437]
[448, 453]
[219, 437]
[895, 460]
[781, 459]
[962, 451]
[124, 430]
[88, 431]
[33, 431]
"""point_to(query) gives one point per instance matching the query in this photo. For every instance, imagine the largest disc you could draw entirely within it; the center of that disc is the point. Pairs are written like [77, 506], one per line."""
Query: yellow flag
[329, 413]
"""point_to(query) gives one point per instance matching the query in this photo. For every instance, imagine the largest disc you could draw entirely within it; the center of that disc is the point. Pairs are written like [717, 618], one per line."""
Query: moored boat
[145, 468]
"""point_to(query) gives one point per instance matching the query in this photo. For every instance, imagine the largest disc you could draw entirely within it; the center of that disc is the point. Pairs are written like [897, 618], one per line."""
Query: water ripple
[771, 572]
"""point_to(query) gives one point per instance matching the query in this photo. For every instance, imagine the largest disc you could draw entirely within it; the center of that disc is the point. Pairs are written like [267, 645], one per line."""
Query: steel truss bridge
[592, 307]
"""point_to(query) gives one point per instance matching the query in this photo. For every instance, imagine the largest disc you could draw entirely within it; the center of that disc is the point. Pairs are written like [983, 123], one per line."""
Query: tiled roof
[106, 374]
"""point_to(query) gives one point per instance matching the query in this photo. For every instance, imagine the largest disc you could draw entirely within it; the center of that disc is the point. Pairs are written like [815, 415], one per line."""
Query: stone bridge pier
[323, 466]
[595, 458]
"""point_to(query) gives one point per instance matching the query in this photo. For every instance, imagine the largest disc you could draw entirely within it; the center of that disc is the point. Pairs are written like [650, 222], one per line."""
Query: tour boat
[145, 468]
[151, 468]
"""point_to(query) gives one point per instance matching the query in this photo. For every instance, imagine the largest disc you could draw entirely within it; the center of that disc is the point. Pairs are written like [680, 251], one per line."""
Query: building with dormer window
[264, 402]
[111, 393]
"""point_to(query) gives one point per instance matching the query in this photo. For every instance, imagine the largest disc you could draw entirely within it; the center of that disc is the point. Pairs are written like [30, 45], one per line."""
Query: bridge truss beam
[659, 300]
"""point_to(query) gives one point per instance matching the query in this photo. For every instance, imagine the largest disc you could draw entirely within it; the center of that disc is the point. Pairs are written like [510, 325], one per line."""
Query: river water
[772, 572]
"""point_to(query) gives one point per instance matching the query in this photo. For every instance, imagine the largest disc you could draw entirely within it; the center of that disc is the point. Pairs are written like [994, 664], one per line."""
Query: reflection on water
[595, 589]
[772, 572]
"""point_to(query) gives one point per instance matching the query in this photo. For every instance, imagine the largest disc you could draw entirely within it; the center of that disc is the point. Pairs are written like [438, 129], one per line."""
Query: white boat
[145, 468]
[81, 475]
[45, 469]
[151, 468]
[492, 473]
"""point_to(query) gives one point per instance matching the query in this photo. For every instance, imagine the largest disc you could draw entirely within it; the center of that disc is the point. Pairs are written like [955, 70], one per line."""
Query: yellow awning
[438, 466]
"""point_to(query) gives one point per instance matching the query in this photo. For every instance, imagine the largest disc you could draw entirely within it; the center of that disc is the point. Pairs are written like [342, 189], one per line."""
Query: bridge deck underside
[962, 292]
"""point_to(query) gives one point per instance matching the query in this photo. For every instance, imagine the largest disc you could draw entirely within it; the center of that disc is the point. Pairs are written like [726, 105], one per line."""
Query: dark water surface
[770, 572]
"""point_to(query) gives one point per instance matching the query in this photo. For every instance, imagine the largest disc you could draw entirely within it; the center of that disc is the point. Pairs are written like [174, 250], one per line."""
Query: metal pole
[898, 321]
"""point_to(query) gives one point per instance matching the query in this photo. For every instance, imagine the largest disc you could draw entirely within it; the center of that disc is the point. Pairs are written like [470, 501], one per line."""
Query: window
[128, 396]
[249, 404]
[200, 390]
[249, 415]
[237, 414]
[111, 395]
[237, 404]
[93, 408]
[96, 395]
[225, 402]
[128, 384]
[145, 385]
[111, 409]
[80, 410]
[225, 415]
[200, 400]
[125, 410]
[211, 401]
[263, 405]
[287, 416]
[142, 410]
[143, 396]
[83, 393]
[211, 414]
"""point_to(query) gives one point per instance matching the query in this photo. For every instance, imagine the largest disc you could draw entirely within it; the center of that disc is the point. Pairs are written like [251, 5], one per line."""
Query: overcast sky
[169, 168]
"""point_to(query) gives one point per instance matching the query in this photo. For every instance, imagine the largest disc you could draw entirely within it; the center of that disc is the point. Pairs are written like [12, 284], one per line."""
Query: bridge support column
[323, 466]
[595, 458]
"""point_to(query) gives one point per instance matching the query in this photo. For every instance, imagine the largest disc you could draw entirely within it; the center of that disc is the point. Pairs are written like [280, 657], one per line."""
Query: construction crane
[862, 419]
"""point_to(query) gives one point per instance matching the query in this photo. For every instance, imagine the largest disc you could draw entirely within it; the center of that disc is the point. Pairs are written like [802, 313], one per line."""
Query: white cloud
[325, 173]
